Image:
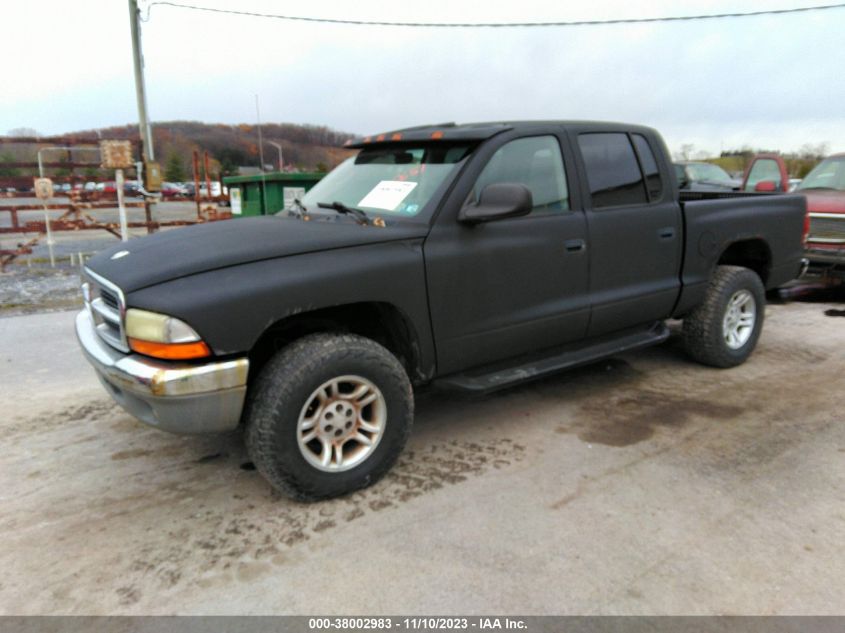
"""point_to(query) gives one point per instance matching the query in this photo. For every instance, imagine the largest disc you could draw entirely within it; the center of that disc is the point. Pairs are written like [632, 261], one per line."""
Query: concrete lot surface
[643, 484]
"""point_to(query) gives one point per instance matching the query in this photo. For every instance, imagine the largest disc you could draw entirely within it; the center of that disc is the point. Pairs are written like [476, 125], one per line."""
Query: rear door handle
[667, 233]
[574, 246]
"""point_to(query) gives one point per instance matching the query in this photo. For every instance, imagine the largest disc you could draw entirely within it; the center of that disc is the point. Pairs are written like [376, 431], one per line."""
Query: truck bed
[769, 226]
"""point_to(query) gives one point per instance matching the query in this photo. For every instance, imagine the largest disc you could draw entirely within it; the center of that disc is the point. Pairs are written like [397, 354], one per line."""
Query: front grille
[109, 299]
[827, 227]
[105, 303]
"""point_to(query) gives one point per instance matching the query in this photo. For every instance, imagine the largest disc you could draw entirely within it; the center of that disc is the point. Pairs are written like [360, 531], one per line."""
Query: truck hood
[824, 200]
[189, 250]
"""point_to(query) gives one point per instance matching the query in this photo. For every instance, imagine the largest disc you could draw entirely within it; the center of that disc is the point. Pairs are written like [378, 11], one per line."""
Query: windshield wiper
[360, 216]
[817, 189]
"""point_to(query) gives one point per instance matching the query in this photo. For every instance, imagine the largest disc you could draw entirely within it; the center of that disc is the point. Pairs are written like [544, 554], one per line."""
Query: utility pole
[140, 91]
[147, 151]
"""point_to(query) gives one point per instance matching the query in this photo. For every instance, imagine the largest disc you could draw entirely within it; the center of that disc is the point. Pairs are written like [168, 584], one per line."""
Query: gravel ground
[38, 289]
[645, 484]
[30, 285]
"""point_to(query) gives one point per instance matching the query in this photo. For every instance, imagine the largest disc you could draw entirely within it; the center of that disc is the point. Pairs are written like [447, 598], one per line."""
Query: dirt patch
[138, 452]
[212, 536]
[633, 418]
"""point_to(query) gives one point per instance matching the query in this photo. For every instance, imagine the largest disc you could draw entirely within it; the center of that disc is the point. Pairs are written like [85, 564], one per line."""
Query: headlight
[163, 336]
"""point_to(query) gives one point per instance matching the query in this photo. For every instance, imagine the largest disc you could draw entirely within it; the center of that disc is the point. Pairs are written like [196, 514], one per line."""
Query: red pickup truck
[824, 188]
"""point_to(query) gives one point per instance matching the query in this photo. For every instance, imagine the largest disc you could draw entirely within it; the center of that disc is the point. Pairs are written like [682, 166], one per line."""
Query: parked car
[216, 189]
[170, 190]
[132, 188]
[107, 187]
[700, 176]
[824, 189]
[467, 258]
[90, 186]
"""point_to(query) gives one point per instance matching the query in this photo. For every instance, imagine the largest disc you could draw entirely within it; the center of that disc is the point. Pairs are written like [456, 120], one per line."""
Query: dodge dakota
[465, 257]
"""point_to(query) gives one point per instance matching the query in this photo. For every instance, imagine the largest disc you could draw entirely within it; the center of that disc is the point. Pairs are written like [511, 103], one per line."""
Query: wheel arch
[753, 254]
[380, 321]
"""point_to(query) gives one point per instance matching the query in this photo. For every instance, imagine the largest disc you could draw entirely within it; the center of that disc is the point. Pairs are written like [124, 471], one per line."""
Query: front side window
[612, 170]
[535, 162]
[397, 181]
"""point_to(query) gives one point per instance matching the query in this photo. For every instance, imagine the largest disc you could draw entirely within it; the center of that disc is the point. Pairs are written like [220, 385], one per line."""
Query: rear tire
[724, 329]
[327, 415]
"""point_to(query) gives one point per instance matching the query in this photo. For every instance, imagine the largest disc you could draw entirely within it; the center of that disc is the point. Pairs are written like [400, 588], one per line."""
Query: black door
[634, 228]
[503, 288]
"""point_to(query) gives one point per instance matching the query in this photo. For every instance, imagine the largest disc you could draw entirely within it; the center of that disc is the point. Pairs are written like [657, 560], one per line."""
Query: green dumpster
[280, 188]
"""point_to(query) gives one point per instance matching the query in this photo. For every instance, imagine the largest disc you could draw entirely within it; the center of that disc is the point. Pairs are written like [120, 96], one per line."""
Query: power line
[462, 25]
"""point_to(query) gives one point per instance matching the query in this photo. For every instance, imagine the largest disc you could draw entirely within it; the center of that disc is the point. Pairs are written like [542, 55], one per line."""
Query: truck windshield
[828, 174]
[397, 181]
[706, 171]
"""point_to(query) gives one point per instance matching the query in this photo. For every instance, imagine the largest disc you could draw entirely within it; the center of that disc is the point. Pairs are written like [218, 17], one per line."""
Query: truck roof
[482, 131]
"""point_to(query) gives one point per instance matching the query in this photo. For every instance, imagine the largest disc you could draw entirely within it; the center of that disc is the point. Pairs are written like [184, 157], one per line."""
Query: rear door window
[612, 170]
[653, 182]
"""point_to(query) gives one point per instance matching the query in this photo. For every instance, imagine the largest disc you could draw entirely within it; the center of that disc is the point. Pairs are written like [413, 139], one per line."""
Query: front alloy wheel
[342, 423]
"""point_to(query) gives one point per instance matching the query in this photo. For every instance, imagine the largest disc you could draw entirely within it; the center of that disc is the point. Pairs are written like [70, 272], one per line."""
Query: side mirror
[497, 202]
[765, 186]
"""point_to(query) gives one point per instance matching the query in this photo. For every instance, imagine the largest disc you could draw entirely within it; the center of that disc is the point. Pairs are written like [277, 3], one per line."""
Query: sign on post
[289, 194]
[116, 154]
[235, 200]
[43, 188]
[44, 191]
[152, 177]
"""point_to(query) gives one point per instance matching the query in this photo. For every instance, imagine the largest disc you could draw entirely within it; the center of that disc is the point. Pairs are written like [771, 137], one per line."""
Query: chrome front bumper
[175, 397]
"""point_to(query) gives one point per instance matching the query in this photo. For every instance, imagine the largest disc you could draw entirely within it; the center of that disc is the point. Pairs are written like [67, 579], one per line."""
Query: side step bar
[500, 375]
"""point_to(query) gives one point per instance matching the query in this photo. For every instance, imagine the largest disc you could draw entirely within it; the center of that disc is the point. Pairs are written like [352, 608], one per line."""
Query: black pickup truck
[464, 257]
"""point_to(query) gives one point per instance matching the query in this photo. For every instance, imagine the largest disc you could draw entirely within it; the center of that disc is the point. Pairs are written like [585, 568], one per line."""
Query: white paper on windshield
[388, 194]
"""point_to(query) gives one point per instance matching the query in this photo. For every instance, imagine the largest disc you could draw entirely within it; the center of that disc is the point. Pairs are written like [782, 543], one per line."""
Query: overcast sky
[773, 81]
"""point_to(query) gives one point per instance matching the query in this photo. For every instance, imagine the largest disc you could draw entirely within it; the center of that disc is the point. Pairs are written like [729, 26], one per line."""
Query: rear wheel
[723, 330]
[328, 415]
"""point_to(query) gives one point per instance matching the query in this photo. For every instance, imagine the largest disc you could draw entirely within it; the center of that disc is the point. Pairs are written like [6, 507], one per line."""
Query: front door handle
[574, 246]
[666, 233]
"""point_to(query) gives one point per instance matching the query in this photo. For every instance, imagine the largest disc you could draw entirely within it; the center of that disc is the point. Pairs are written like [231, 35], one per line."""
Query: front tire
[328, 415]
[724, 329]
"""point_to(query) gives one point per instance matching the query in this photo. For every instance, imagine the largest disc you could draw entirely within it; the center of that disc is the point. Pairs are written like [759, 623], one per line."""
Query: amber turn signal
[170, 351]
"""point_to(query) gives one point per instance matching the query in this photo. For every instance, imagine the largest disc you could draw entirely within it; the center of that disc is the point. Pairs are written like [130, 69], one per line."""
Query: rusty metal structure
[21, 219]
[76, 216]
